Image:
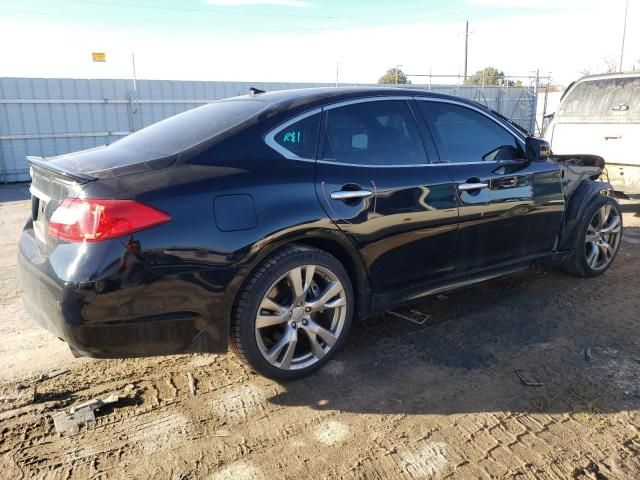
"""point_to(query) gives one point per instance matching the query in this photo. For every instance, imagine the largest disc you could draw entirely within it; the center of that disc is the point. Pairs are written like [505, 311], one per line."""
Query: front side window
[373, 133]
[301, 137]
[469, 136]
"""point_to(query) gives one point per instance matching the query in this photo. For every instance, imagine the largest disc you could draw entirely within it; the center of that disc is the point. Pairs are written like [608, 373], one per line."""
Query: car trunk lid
[50, 185]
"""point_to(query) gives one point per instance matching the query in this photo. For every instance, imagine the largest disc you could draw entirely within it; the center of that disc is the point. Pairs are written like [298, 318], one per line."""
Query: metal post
[624, 33]
[132, 107]
[429, 78]
[544, 106]
[466, 49]
[337, 73]
[3, 167]
[534, 110]
[133, 63]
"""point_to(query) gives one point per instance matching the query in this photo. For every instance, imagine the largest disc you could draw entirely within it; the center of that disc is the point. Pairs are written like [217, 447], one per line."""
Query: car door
[510, 208]
[374, 181]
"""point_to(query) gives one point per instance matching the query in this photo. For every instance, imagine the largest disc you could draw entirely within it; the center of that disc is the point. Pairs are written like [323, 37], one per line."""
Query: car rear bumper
[104, 319]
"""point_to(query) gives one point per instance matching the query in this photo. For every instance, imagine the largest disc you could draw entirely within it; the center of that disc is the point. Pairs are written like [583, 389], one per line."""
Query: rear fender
[578, 202]
[326, 238]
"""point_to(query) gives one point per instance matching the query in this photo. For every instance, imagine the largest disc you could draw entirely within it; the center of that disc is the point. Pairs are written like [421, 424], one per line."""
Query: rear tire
[293, 313]
[597, 239]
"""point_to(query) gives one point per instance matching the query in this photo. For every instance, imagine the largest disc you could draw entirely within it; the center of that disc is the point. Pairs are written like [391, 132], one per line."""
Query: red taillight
[92, 220]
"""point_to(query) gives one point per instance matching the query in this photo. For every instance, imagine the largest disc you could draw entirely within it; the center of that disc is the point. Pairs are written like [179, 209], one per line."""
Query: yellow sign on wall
[99, 56]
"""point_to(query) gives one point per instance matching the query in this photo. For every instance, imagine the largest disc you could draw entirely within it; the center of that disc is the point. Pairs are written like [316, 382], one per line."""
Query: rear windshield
[610, 99]
[176, 134]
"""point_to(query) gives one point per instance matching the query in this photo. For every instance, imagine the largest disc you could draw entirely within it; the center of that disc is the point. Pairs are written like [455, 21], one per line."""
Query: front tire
[598, 238]
[293, 313]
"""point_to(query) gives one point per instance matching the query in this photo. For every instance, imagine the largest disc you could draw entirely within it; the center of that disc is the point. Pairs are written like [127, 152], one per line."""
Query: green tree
[392, 75]
[491, 76]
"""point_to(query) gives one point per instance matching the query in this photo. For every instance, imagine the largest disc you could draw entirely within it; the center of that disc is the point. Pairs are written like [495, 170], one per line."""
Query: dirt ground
[440, 400]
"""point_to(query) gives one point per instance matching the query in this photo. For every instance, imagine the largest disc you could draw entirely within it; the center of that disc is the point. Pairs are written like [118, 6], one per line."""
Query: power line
[99, 20]
[206, 11]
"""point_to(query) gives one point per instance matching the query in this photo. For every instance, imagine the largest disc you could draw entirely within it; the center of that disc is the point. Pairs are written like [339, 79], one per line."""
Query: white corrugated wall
[52, 116]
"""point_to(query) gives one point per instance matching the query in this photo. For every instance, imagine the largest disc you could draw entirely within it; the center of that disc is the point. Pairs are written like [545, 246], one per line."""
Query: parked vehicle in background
[600, 114]
[269, 221]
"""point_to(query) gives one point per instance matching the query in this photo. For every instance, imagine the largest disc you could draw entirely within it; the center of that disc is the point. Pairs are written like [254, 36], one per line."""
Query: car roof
[605, 76]
[313, 97]
[600, 76]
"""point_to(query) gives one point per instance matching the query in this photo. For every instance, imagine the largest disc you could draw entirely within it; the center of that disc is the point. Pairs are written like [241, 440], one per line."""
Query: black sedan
[270, 221]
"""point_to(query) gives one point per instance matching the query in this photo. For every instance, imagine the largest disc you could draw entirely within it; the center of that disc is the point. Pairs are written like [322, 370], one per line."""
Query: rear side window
[301, 137]
[605, 99]
[373, 133]
[178, 133]
[469, 136]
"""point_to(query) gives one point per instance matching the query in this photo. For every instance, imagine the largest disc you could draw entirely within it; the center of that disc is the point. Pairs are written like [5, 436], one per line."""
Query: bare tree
[608, 65]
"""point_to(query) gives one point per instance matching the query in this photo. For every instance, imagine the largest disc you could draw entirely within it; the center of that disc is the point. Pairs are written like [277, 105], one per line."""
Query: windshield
[614, 99]
[178, 133]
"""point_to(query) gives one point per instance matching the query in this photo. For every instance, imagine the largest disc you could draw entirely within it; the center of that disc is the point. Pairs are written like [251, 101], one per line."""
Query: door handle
[464, 187]
[621, 107]
[505, 182]
[351, 194]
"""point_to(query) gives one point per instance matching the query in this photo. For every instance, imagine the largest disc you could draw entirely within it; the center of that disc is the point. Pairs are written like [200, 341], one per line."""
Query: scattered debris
[81, 415]
[52, 374]
[531, 381]
[42, 378]
[192, 383]
[587, 353]
[442, 296]
[421, 318]
[221, 433]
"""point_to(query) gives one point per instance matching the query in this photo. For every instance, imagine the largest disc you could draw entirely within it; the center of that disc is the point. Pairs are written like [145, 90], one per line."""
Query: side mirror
[538, 149]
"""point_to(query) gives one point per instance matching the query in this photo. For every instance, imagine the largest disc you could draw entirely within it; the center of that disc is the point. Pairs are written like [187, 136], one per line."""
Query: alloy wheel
[603, 237]
[301, 317]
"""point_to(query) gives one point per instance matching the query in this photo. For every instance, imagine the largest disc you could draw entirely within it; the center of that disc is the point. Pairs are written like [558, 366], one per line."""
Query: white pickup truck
[600, 115]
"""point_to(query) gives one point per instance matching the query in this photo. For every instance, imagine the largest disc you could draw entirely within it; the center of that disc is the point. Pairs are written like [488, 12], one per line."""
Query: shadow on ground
[577, 337]
[14, 192]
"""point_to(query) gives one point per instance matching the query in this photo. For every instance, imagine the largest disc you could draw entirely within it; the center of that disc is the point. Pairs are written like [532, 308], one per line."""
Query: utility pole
[337, 72]
[624, 33]
[133, 64]
[466, 48]
[133, 95]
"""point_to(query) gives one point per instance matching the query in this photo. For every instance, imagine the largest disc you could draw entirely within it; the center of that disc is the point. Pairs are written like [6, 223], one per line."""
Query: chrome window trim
[270, 137]
[270, 140]
[408, 165]
[355, 101]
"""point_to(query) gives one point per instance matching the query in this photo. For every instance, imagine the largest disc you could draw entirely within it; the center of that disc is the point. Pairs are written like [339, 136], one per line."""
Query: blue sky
[302, 40]
[270, 15]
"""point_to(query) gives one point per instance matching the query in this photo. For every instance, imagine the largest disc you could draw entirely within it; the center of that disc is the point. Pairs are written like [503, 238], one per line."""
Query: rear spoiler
[42, 163]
